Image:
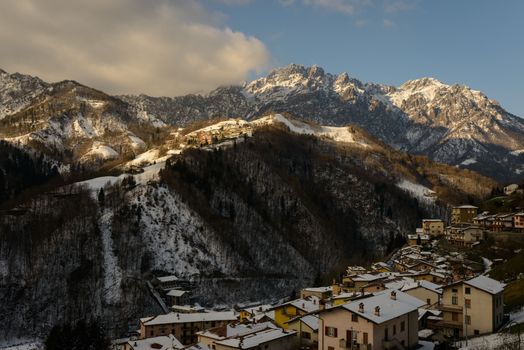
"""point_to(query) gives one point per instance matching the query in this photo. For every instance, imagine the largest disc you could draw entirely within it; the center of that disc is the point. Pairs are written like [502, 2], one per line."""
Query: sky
[174, 47]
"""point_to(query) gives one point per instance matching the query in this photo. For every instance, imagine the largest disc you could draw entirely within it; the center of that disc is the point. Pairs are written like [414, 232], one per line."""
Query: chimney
[303, 305]
[314, 301]
[361, 307]
[377, 311]
[393, 295]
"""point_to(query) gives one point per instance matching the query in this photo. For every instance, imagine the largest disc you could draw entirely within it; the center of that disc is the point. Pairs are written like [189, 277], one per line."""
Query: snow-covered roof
[311, 321]
[466, 206]
[167, 342]
[318, 289]
[255, 339]
[257, 309]
[309, 304]
[199, 346]
[366, 277]
[390, 307]
[176, 293]
[173, 317]
[423, 284]
[165, 279]
[235, 330]
[486, 284]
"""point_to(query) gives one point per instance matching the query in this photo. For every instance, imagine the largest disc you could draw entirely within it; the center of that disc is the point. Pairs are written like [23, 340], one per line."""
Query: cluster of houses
[415, 300]
[468, 227]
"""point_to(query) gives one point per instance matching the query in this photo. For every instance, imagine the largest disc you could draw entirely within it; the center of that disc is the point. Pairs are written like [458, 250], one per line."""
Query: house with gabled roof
[472, 307]
[383, 321]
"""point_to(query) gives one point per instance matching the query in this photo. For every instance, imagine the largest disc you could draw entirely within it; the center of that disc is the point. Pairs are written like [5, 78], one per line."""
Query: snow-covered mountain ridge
[452, 124]
[449, 123]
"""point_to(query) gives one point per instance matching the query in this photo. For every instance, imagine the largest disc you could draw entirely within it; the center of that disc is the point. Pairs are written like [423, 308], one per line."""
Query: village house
[306, 328]
[380, 267]
[183, 326]
[164, 342]
[167, 282]
[384, 321]
[177, 297]
[320, 292]
[251, 336]
[464, 235]
[472, 307]
[518, 222]
[293, 308]
[433, 227]
[503, 222]
[484, 221]
[254, 312]
[418, 239]
[510, 189]
[463, 214]
[425, 291]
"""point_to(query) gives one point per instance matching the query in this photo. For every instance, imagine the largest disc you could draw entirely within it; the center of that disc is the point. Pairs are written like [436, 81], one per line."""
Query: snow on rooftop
[389, 308]
[173, 317]
[165, 279]
[167, 342]
[256, 339]
[318, 289]
[309, 304]
[176, 293]
[311, 321]
[486, 284]
[424, 284]
[235, 330]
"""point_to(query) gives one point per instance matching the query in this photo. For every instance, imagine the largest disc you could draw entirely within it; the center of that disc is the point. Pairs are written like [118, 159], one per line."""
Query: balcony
[450, 308]
[355, 346]
[449, 324]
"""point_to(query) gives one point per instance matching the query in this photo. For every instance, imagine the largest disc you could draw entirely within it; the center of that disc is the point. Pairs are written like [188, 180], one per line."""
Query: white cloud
[388, 23]
[394, 6]
[160, 47]
[344, 6]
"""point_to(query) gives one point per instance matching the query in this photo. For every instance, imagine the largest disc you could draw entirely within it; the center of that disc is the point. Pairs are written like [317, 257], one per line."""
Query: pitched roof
[173, 317]
[255, 339]
[176, 293]
[486, 284]
[389, 308]
[423, 284]
[165, 342]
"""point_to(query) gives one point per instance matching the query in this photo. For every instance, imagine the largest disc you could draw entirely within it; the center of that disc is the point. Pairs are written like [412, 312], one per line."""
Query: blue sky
[478, 43]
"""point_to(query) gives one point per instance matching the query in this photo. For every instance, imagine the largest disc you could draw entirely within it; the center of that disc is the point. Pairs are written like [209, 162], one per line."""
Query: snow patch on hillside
[136, 142]
[112, 273]
[469, 161]
[338, 134]
[422, 193]
[100, 150]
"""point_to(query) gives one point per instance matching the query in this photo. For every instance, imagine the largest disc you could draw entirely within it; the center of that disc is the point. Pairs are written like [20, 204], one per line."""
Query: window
[468, 303]
[468, 319]
[454, 316]
[331, 332]
[454, 300]
[454, 290]
[306, 335]
[364, 338]
[354, 318]
[468, 290]
[394, 329]
[331, 348]
[477, 332]
[428, 301]
[402, 326]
